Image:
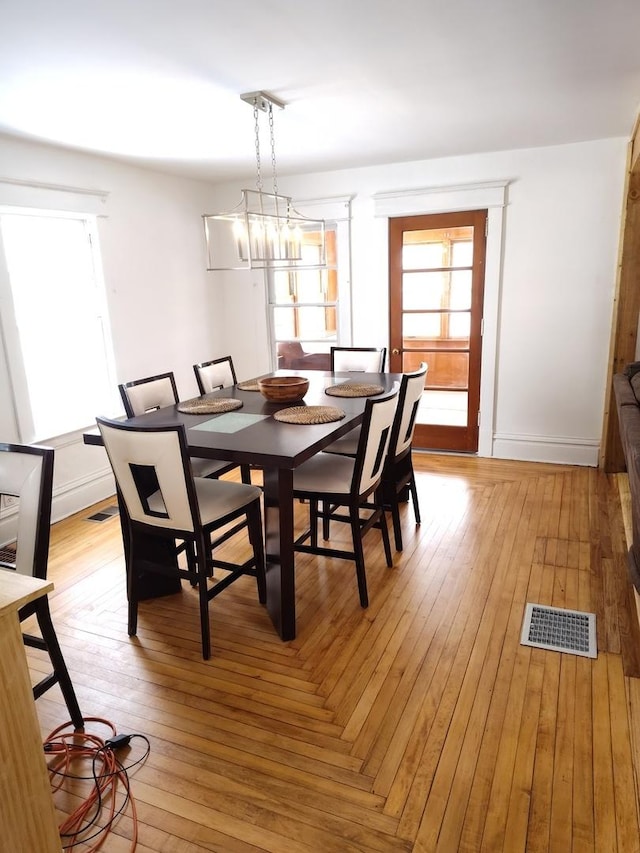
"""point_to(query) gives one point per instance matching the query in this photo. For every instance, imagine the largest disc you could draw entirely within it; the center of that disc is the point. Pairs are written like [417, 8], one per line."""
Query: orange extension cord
[64, 748]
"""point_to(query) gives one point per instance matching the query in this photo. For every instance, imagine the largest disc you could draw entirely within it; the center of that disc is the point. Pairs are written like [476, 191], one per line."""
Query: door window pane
[443, 408]
[421, 255]
[422, 290]
[420, 327]
[448, 370]
[459, 293]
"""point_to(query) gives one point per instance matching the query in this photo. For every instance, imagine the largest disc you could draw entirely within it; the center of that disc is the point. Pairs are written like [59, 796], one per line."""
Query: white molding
[81, 493]
[547, 448]
[441, 199]
[336, 208]
[19, 194]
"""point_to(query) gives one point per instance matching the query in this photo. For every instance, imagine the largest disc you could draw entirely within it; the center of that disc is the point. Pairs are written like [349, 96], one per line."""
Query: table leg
[278, 521]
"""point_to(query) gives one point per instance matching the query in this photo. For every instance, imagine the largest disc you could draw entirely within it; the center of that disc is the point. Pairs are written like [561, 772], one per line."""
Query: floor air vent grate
[559, 630]
[104, 514]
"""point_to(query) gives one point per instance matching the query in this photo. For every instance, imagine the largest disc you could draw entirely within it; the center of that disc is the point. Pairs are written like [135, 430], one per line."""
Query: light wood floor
[418, 724]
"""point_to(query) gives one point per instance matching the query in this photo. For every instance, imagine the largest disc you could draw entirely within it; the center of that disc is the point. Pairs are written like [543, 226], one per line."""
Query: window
[54, 323]
[309, 308]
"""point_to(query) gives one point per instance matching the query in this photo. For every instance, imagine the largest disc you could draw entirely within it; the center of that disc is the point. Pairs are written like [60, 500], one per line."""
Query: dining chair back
[148, 394]
[215, 374]
[329, 482]
[398, 474]
[358, 359]
[409, 396]
[162, 498]
[26, 473]
[373, 445]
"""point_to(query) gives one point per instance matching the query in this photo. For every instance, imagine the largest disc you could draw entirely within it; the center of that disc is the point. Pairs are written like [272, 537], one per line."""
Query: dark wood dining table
[251, 435]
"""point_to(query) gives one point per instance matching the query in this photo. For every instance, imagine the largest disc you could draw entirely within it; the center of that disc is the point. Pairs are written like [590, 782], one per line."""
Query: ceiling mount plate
[262, 100]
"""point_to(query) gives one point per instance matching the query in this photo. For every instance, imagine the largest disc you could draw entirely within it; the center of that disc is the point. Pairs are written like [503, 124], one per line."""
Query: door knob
[395, 351]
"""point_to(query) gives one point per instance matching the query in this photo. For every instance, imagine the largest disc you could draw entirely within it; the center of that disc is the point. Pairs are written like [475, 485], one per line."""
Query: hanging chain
[273, 150]
[258, 164]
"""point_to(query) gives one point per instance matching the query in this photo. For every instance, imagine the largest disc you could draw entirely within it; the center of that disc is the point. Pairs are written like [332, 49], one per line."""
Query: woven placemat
[354, 389]
[198, 406]
[249, 385]
[309, 415]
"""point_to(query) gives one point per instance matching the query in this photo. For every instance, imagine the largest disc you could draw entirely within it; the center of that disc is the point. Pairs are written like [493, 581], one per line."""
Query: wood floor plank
[418, 724]
[497, 686]
[464, 697]
[603, 783]
[402, 754]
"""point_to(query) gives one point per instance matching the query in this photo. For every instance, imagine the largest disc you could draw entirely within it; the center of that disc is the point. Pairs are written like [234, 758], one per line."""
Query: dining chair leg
[395, 520]
[60, 671]
[385, 533]
[356, 534]
[245, 474]
[254, 518]
[132, 594]
[191, 562]
[203, 594]
[313, 522]
[326, 521]
[414, 497]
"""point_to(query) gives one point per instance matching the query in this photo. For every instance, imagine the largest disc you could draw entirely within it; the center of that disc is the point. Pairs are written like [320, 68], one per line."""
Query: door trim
[447, 199]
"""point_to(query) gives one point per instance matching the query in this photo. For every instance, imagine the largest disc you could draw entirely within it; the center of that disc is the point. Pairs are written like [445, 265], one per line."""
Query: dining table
[250, 434]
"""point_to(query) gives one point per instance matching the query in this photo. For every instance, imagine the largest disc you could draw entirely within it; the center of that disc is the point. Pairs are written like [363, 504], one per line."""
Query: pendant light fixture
[264, 230]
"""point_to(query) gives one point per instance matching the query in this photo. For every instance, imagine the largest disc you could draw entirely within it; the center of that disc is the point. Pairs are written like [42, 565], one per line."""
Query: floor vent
[558, 630]
[104, 514]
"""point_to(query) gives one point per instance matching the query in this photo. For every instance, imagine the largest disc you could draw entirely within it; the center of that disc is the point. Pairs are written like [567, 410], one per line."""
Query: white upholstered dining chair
[26, 473]
[329, 482]
[163, 499]
[398, 472]
[215, 374]
[358, 359]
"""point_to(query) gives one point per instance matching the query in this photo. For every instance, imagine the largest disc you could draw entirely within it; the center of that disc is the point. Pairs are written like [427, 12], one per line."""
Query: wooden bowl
[283, 389]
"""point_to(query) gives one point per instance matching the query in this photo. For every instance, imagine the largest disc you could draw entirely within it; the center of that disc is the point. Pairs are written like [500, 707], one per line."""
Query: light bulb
[240, 235]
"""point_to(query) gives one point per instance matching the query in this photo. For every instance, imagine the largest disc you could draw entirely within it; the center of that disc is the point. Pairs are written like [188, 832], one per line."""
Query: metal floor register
[553, 628]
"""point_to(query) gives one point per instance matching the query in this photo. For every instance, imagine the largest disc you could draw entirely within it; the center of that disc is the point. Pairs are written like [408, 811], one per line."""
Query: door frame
[491, 195]
[447, 437]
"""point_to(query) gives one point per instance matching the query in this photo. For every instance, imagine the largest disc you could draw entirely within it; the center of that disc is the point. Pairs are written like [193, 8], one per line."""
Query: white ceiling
[157, 82]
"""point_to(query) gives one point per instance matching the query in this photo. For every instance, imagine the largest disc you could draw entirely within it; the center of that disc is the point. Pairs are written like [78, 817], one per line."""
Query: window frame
[20, 403]
[337, 215]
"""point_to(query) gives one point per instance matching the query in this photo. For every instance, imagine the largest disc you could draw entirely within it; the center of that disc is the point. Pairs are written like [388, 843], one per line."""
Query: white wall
[165, 311]
[561, 230]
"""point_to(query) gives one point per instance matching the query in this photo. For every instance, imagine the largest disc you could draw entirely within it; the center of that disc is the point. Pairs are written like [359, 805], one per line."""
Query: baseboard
[536, 448]
[81, 493]
[71, 498]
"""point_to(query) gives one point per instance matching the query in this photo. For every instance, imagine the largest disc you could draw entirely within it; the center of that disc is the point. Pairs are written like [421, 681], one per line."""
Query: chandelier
[264, 230]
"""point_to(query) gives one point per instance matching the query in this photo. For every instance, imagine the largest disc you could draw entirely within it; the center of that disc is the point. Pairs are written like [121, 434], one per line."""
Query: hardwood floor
[419, 724]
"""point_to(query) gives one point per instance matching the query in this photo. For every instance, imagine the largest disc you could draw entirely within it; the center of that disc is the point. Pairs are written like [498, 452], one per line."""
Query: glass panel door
[436, 281]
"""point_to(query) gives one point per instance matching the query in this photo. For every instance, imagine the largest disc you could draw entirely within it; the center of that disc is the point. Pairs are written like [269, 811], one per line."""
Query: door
[436, 281]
